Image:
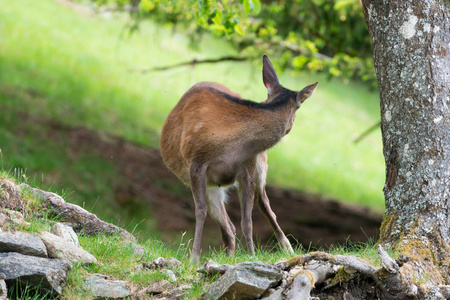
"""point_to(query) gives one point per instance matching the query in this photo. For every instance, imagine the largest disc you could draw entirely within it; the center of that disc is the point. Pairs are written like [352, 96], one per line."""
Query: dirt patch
[307, 219]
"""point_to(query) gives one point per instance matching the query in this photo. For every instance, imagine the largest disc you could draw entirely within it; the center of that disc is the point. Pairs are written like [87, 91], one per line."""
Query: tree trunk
[411, 45]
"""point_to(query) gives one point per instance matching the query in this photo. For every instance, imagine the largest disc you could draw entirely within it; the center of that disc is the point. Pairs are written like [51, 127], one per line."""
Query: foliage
[329, 36]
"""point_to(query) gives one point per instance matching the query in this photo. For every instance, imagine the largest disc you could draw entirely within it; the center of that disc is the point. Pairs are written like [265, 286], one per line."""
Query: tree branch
[367, 132]
[193, 63]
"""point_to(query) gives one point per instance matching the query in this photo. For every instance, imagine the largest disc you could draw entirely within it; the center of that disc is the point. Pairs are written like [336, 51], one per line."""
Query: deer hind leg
[198, 187]
[264, 205]
[216, 199]
[246, 191]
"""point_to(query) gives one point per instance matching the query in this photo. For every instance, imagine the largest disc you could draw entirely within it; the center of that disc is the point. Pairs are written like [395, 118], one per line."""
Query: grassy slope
[116, 257]
[74, 67]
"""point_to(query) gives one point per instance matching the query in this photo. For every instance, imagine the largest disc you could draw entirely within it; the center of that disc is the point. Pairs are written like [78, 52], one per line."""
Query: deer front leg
[264, 206]
[198, 187]
[263, 201]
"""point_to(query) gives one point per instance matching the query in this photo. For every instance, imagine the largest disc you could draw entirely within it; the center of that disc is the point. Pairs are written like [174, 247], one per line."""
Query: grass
[75, 67]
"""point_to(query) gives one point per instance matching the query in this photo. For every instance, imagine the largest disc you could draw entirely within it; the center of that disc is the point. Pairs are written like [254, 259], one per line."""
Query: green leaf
[238, 29]
[249, 6]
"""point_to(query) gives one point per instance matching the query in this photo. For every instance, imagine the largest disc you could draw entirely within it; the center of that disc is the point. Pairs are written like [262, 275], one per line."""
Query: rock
[66, 233]
[59, 248]
[44, 274]
[159, 263]
[170, 275]
[10, 195]
[99, 285]
[3, 288]
[174, 263]
[275, 295]
[247, 280]
[157, 287]
[83, 220]
[24, 243]
[140, 251]
[210, 268]
[14, 218]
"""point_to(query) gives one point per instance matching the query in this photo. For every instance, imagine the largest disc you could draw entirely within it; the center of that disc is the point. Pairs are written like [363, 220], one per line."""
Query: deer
[214, 140]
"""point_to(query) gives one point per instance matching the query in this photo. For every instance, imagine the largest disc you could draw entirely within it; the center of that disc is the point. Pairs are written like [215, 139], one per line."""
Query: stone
[43, 274]
[15, 218]
[66, 233]
[157, 287]
[3, 287]
[10, 195]
[60, 248]
[99, 285]
[160, 263]
[24, 243]
[140, 251]
[170, 275]
[248, 280]
[174, 263]
[275, 295]
[211, 268]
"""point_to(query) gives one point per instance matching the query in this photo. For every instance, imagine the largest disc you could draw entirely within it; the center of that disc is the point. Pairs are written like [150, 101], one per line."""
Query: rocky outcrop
[34, 261]
[79, 218]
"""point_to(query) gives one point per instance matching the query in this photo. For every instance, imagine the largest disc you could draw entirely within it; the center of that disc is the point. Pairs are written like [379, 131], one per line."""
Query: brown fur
[213, 139]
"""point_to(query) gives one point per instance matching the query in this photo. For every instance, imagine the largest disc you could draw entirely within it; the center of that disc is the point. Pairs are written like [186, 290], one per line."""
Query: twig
[367, 132]
[193, 63]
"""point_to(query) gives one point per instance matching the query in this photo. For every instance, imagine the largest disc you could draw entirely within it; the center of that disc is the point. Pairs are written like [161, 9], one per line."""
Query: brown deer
[213, 140]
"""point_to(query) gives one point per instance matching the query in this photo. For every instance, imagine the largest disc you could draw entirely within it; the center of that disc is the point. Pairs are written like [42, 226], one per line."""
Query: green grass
[75, 67]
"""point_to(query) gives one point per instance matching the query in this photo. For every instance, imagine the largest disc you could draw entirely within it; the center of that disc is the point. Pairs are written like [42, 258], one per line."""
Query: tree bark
[411, 45]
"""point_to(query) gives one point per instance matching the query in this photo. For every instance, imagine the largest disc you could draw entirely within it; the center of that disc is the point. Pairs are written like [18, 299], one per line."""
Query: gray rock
[10, 219]
[99, 285]
[82, 220]
[140, 251]
[157, 287]
[3, 288]
[174, 263]
[66, 233]
[24, 243]
[44, 274]
[275, 295]
[10, 195]
[60, 248]
[247, 280]
[160, 263]
[170, 275]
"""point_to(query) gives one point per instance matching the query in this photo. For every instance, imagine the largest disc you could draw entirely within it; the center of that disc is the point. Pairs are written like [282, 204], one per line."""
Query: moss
[416, 250]
[341, 277]
[386, 227]
[295, 261]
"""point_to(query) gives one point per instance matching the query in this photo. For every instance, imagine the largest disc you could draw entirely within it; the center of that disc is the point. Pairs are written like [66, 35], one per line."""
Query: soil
[307, 219]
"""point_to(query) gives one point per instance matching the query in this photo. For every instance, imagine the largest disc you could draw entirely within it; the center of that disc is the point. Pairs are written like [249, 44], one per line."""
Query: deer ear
[270, 77]
[306, 93]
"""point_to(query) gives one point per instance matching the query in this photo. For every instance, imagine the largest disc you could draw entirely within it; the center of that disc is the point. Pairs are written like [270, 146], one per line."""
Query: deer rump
[213, 139]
